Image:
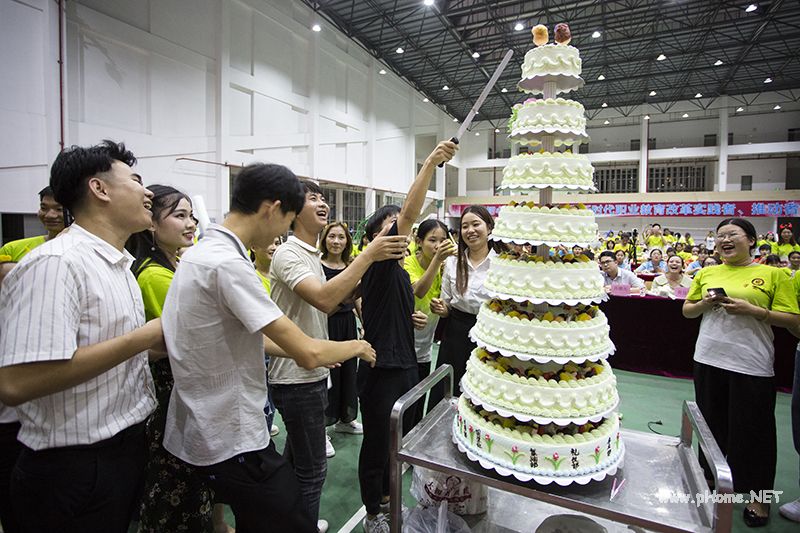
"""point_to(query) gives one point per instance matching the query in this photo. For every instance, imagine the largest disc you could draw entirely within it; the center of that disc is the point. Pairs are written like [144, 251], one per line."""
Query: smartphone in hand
[717, 294]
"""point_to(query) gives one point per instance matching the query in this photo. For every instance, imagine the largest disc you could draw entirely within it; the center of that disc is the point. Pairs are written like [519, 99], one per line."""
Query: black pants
[454, 350]
[423, 371]
[262, 491]
[9, 451]
[378, 389]
[80, 489]
[740, 411]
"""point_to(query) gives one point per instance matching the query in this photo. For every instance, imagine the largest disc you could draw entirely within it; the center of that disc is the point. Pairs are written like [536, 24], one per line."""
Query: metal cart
[658, 471]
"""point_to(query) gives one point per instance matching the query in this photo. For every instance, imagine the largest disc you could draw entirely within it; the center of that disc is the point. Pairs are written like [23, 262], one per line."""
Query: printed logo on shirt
[757, 282]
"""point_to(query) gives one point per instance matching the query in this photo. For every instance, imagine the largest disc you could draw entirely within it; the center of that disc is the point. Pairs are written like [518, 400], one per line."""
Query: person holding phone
[734, 356]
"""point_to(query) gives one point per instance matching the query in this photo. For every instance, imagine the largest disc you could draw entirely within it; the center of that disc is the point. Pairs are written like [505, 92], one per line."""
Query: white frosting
[546, 280]
[552, 59]
[550, 224]
[541, 397]
[538, 454]
[554, 169]
[542, 337]
[548, 116]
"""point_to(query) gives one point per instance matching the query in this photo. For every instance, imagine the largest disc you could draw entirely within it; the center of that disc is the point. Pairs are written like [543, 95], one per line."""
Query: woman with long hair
[336, 246]
[786, 242]
[174, 498]
[739, 302]
[463, 293]
[424, 267]
[665, 284]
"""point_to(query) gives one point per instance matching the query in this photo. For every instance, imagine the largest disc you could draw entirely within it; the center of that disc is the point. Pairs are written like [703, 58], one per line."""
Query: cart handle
[693, 421]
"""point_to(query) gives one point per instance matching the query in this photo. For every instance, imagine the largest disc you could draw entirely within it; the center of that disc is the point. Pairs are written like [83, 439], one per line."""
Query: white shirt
[213, 314]
[8, 415]
[293, 262]
[624, 277]
[475, 294]
[74, 291]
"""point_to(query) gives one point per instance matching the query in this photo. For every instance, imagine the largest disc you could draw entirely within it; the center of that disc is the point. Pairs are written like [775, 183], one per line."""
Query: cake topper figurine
[540, 35]
[562, 34]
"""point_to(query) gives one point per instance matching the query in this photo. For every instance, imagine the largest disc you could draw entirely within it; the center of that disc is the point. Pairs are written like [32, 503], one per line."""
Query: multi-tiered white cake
[539, 399]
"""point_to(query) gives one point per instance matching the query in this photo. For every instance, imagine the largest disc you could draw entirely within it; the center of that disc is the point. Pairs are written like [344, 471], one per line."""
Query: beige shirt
[293, 262]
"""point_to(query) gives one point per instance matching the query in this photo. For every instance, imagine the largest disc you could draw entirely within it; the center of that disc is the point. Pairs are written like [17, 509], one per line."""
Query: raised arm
[412, 207]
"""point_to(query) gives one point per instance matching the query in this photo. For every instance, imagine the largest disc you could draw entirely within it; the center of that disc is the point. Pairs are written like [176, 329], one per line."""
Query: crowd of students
[140, 369]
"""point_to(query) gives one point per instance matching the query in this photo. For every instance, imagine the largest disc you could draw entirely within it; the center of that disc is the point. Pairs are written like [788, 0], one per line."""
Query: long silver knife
[479, 102]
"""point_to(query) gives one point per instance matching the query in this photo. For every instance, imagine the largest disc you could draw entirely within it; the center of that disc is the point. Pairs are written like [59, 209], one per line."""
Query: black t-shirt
[388, 303]
[331, 273]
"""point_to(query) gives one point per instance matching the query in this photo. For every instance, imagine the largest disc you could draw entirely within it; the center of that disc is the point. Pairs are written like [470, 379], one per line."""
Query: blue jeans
[796, 402]
[302, 408]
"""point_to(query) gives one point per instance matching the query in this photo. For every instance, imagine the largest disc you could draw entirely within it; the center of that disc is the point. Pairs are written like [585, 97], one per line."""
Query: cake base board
[536, 242]
[552, 301]
[539, 358]
[564, 83]
[562, 481]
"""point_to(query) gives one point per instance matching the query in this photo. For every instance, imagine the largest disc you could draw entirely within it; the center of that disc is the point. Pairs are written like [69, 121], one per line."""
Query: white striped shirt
[75, 291]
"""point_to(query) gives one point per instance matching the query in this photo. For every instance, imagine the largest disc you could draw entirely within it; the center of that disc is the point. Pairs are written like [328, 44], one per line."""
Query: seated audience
[615, 276]
[665, 284]
[655, 265]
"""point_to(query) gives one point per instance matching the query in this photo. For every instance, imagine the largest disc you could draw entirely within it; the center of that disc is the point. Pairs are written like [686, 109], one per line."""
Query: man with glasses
[615, 276]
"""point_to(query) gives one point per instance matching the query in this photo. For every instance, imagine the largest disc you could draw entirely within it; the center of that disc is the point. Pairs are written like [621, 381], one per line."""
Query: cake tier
[563, 119]
[571, 452]
[559, 224]
[549, 390]
[555, 280]
[558, 332]
[551, 63]
[560, 170]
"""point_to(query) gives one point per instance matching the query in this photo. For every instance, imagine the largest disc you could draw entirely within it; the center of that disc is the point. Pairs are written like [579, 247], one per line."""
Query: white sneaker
[329, 450]
[379, 524]
[791, 510]
[352, 427]
[274, 430]
[322, 526]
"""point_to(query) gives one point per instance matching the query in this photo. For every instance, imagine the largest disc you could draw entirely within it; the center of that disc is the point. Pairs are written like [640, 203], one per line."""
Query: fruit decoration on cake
[539, 398]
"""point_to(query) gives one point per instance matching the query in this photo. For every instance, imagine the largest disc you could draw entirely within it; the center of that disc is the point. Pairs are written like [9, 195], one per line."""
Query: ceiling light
[428, 2]
[503, 90]
[476, 55]
[316, 27]
[718, 62]
[518, 26]
[399, 50]
[777, 107]
[739, 109]
[382, 71]
[477, 134]
[596, 35]
[698, 95]
[445, 88]
[647, 117]
[425, 100]
[653, 93]
[455, 119]
[685, 115]
[604, 104]
[768, 80]
[661, 57]
[751, 8]
[606, 122]
[497, 130]
[601, 77]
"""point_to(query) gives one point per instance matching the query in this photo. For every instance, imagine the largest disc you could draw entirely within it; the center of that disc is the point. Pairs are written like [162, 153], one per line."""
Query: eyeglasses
[730, 236]
[607, 261]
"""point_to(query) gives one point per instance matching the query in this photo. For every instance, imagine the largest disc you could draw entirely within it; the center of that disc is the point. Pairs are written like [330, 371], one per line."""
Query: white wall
[228, 81]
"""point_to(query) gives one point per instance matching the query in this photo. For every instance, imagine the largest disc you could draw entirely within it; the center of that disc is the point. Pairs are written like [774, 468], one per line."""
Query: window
[651, 143]
[682, 178]
[583, 148]
[330, 197]
[730, 137]
[615, 180]
[636, 145]
[353, 208]
[710, 139]
[794, 134]
[747, 183]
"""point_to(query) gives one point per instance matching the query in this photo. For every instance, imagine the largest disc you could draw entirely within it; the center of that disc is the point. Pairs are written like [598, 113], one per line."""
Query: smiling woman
[734, 357]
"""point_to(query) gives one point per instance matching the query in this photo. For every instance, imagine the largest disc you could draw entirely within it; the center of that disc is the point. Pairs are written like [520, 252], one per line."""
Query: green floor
[644, 399]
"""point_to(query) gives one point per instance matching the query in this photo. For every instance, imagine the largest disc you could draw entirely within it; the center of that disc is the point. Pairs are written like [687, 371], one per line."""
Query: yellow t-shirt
[656, 242]
[154, 281]
[686, 256]
[264, 280]
[782, 250]
[415, 272]
[16, 250]
[740, 343]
